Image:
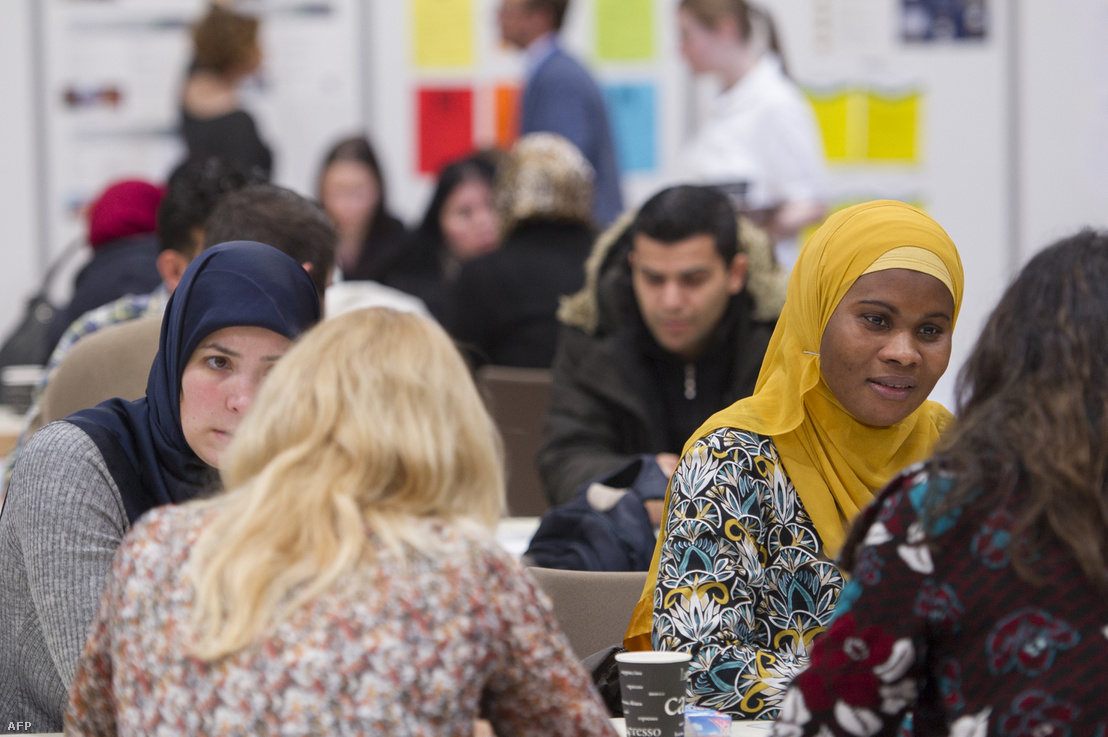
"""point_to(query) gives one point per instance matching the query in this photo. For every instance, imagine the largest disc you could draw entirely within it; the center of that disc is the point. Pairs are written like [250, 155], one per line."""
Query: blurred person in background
[759, 140]
[352, 191]
[348, 581]
[226, 52]
[281, 218]
[460, 224]
[122, 221]
[560, 96]
[504, 303]
[300, 227]
[191, 194]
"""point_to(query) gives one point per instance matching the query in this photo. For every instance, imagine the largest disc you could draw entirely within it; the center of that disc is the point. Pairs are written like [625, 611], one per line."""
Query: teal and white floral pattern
[743, 582]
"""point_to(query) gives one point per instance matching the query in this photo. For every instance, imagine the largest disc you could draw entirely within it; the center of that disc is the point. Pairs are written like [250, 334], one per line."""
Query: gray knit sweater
[60, 527]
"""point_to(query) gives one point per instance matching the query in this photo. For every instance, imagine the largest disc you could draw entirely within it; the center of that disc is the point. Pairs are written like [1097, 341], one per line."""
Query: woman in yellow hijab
[743, 575]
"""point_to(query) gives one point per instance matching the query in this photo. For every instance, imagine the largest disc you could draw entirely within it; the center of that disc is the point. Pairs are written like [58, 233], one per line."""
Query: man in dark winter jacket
[671, 327]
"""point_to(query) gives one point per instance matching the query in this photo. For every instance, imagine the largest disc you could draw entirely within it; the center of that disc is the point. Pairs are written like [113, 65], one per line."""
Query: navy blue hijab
[238, 283]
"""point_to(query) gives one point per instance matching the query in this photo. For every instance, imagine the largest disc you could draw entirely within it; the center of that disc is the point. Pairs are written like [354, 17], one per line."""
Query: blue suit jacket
[562, 98]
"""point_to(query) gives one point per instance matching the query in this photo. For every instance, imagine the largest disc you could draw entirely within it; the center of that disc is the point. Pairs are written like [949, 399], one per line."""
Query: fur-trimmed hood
[594, 309]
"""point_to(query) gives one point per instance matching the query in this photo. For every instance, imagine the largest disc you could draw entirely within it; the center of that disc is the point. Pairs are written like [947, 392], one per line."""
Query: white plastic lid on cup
[653, 656]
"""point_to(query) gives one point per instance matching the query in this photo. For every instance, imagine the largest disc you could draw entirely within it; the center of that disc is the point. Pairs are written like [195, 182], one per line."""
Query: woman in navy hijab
[82, 482]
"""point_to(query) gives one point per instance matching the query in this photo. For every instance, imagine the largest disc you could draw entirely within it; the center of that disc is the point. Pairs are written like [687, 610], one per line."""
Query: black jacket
[504, 303]
[604, 408]
[125, 266]
[382, 247]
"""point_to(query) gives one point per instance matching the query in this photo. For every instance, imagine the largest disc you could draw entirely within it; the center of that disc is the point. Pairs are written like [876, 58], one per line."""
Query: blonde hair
[370, 425]
[544, 177]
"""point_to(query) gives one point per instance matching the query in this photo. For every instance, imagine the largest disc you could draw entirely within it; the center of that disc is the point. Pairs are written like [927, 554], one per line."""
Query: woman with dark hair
[979, 594]
[504, 303]
[460, 224]
[352, 191]
[81, 483]
[213, 123]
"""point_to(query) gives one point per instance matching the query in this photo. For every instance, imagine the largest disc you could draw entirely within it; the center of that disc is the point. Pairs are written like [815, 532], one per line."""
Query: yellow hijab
[834, 461]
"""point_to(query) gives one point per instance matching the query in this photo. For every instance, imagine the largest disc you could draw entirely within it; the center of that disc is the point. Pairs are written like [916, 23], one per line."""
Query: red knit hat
[125, 208]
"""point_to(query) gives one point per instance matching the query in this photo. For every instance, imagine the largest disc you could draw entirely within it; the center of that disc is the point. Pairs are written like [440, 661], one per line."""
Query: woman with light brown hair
[759, 139]
[351, 189]
[348, 581]
[225, 53]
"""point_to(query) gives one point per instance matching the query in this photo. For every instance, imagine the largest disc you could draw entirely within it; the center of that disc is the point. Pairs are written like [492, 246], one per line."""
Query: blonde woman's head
[543, 178]
[380, 400]
[371, 424]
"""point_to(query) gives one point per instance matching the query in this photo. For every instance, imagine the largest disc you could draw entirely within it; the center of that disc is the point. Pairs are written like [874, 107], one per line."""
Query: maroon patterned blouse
[398, 648]
[936, 622]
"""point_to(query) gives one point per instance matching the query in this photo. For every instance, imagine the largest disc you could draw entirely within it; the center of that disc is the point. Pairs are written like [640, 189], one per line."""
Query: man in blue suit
[561, 97]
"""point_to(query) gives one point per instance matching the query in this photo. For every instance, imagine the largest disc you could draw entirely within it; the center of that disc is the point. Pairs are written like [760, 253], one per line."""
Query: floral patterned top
[414, 647]
[743, 583]
[936, 621]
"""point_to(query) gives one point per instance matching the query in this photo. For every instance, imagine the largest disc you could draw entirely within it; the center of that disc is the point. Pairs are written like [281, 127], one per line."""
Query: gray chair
[113, 362]
[517, 399]
[593, 608]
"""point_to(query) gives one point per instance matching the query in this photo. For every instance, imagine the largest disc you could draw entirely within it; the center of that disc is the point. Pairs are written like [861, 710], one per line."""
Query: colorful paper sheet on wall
[445, 126]
[930, 21]
[506, 100]
[624, 29]
[832, 115]
[632, 114]
[892, 127]
[442, 33]
[864, 125]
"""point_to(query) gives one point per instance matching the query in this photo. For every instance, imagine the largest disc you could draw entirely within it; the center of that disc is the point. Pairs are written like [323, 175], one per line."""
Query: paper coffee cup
[652, 690]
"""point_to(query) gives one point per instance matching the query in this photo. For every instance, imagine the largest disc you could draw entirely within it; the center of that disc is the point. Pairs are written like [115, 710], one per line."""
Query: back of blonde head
[370, 423]
[544, 177]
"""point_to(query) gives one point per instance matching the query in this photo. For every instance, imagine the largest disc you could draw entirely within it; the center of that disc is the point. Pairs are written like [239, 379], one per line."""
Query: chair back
[593, 608]
[113, 362]
[517, 399]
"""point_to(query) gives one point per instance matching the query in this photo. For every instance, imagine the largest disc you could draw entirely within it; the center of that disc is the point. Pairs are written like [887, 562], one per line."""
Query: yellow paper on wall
[831, 114]
[442, 33]
[624, 29]
[893, 127]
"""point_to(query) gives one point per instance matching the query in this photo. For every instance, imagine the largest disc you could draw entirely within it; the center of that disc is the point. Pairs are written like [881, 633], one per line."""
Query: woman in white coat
[759, 140]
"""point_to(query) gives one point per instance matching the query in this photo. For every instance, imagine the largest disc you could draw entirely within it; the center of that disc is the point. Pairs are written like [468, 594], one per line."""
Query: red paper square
[445, 126]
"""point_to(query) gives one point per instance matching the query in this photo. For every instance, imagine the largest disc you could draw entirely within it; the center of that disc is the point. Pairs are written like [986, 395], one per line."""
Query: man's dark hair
[556, 8]
[280, 218]
[685, 211]
[193, 190]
